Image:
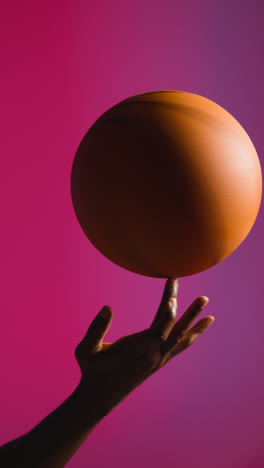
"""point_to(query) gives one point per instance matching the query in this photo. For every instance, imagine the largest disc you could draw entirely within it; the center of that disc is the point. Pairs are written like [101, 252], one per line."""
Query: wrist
[84, 405]
[93, 400]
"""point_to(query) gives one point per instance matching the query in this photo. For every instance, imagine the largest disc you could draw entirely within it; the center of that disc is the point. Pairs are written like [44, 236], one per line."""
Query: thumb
[97, 329]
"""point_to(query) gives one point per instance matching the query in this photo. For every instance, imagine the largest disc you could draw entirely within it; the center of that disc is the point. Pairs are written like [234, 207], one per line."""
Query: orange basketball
[166, 184]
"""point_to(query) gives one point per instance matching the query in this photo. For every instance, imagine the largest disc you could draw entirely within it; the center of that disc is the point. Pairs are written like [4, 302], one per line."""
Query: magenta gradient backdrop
[63, 64]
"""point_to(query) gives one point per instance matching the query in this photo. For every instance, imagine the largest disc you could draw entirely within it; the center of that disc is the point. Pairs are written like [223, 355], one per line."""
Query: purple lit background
[63, 64]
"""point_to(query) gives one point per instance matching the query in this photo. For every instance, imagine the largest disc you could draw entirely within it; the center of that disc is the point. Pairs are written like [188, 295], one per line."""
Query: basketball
[166, 184]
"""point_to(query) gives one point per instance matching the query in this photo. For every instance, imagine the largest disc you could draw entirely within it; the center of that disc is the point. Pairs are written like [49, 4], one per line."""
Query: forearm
[57, 437]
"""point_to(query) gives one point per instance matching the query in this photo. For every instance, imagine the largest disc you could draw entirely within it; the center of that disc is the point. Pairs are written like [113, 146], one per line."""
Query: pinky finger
[191, 336]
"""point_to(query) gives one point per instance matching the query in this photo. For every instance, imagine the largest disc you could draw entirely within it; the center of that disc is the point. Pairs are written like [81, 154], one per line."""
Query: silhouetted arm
[56, 438]
[110, 371]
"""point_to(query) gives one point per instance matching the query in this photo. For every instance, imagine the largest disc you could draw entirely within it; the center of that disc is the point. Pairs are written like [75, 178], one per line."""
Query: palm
[131, 359]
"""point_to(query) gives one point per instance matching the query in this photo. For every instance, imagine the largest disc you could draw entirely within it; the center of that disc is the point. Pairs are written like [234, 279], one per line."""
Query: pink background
[63, 64]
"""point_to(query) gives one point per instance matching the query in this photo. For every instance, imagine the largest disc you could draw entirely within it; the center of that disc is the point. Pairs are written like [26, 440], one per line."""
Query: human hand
[110, 371]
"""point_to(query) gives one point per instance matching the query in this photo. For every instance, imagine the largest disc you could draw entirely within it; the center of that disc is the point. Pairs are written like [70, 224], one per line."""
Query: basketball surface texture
[166, 184]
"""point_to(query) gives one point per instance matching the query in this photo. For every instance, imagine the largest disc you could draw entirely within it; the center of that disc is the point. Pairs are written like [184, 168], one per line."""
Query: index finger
[170, 290]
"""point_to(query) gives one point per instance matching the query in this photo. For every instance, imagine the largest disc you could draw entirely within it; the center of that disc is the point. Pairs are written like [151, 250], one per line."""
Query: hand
[110, 371]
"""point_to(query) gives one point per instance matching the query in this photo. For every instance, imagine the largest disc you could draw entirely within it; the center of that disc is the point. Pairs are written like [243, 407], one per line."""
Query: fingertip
[207, 321]
[172, 280]
[202, 301]
[106, 312]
